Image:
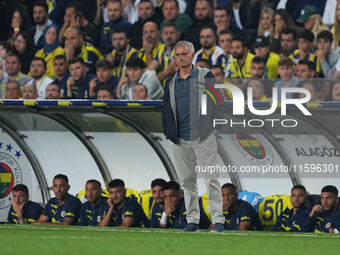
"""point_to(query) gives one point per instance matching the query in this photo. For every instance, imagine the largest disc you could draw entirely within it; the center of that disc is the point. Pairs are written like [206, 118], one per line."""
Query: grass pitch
[36, 240]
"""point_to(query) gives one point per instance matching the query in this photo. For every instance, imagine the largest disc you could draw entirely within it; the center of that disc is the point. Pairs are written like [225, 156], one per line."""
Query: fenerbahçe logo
[254, 148]
[10, 172]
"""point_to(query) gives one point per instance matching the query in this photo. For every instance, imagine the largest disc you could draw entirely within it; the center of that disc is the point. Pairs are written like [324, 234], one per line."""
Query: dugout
[87, 139]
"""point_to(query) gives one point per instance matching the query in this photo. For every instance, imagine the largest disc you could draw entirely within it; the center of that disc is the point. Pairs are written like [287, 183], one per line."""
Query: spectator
[218, 73]
[174, 214]
[19, 23]
[24, 48]
[51, 48]
[266, 24]
[326, 215]
[151, 43]
[53, 92]
[140, 92]
[163, 62]
[56, 11]
[336, 91]
[288, 79]
[157, 187]
[5, 49]
[137, 74]
[23, 211]
[146, 13]
[305, 70]
[78, 83]
[287, 42]
[104, 78]
[104, 93]
[40, 17]
[13, 90]
[202, 18]
[101, 12]
[210, 51]
[60, 67]
[257, 71]
[115, 14]
[40, 79]
[75, 46]
[122, 52]
[240, 65]
[171, 13]
[13, 66]
[30, 92]
[257, 89]
[328, 58]
[224, 41]
[336, 28]
[329, 16]
[323, 91]
[246, 14]
[310, 86]
[222, 20]
[262, 49]
[123, 211]
[312, 20]
[282, 21]
[297, 218]
[239, 214]
[74, 18]
[202, 63]
[305, 49]
[64, 208]
[96, 206]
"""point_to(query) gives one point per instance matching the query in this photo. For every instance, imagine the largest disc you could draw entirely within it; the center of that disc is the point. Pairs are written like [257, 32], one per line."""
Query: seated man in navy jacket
[239, 214]
[327, 215]
[174, 215]
[123, 211]
[96, 207]
[23, 211]
[64, 208]
[296, 219]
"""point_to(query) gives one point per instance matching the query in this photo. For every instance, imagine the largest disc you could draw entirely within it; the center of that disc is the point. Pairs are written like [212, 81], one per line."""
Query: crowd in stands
[163, 207]
[113, 49]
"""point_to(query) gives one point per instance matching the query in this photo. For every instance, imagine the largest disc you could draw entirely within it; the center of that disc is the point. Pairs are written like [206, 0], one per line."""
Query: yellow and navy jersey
[156, 216]
[119, 62]
[244, 212]
[49, 59]
[177, 219]
[131, 208]
[90, 216]
[288, 222]
[57, 214]
[215, 56]
[326, 220]
[241, 72]
[90, 55]
[271, 208]
[31, 213]
[80, 90]
[271, 65]
[142, 52]
[295, 56]
[164, 57]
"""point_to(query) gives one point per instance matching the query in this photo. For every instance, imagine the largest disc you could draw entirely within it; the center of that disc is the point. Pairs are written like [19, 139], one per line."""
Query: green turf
[48, 240]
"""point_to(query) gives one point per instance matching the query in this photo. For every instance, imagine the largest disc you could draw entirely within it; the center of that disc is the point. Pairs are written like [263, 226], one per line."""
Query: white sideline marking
[166, 231]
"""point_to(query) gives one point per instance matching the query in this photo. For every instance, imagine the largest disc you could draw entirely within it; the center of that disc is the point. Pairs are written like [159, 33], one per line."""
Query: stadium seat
[271, 208]
[147, 202]
[81, 195]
